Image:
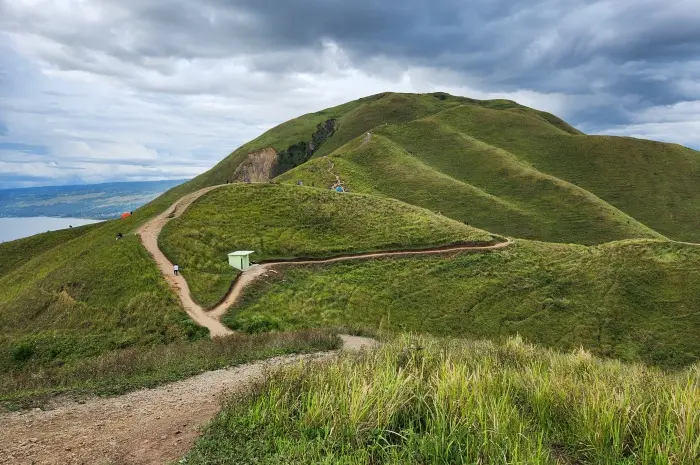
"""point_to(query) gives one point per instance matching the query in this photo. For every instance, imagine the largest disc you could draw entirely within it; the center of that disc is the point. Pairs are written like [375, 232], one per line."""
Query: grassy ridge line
[433, 166]
[633, 300]
[653, 182]
[574, 214]
[283, 222]
[428, 401]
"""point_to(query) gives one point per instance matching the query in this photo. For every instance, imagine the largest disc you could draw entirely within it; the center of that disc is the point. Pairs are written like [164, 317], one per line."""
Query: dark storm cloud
[118, 75]
[506, 45]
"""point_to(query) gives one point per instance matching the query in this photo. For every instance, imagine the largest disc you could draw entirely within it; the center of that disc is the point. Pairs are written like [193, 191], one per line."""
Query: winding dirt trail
[149, 426]
[210, 319]
[149, 236]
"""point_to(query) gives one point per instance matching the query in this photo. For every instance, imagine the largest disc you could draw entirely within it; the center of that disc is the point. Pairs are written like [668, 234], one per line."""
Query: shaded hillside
[635, 300]
[280, 221]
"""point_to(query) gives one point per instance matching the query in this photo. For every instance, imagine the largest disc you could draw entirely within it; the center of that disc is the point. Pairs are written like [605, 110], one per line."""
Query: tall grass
[429, 401]
[137, 367]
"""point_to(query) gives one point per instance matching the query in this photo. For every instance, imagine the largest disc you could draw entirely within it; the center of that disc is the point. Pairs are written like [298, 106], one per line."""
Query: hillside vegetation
[78, 293]
[471, 182]
[494, 164]
[427, 401]
[281, 221]
[630, 300]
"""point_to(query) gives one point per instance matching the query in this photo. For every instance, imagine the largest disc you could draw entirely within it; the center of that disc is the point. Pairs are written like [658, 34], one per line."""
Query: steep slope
[555, 183]
[431, 165]
[635, 300]
[351, 120]
[280, 221]
[655, 182]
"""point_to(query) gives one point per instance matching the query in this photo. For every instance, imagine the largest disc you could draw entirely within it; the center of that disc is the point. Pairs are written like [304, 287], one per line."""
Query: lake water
[17, 228]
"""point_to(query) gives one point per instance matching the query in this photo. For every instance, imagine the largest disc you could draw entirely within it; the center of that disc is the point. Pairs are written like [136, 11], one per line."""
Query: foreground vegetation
[635, 300]
[430, 401]
[281, 222]
[125, 370]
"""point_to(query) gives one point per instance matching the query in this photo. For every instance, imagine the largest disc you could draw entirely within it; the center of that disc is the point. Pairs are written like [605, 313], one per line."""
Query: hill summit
[493, 164]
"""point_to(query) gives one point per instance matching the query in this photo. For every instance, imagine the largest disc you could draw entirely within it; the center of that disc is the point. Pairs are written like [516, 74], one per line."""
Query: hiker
[176, 269]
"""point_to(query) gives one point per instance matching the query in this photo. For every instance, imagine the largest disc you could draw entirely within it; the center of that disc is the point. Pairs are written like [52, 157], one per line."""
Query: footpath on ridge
[210, 319]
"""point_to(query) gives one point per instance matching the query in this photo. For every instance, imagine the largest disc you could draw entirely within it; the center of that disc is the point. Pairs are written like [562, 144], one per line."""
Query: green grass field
[636, 301]
[80, 293]
[281, 221]
[428, 401]
[124, 370]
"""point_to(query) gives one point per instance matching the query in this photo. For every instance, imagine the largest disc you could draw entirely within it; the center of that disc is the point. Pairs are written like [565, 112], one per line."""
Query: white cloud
[132, 89]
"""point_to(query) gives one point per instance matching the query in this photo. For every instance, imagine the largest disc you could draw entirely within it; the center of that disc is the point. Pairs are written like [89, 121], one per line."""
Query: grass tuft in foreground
[138, 367]
[432, 401]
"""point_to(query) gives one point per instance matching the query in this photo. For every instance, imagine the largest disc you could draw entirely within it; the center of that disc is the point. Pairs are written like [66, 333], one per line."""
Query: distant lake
[17, 228]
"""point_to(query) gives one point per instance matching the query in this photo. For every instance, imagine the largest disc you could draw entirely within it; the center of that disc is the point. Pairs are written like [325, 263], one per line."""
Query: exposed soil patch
[150, 426]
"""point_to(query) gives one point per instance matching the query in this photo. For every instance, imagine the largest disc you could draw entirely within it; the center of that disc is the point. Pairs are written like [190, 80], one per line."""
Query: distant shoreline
[13, 228]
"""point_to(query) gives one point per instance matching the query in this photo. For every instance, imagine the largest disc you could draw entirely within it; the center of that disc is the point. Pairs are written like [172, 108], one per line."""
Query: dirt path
[149, 236]
[256, 271]
[210, 319]
[150, 426]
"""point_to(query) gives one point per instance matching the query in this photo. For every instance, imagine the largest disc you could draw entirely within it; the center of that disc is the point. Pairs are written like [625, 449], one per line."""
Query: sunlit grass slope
[429, 164]
[636, 300]
[79, 293]
[428, 401]
[655, 182]
[282, 221]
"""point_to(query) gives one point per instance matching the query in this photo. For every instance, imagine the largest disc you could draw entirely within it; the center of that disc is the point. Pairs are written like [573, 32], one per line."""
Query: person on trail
[176, 269]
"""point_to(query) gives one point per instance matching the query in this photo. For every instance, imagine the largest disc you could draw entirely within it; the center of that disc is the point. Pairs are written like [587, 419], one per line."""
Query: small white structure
[240, 259]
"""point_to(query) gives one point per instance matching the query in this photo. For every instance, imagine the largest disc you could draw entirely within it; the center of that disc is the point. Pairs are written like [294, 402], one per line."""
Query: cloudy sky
[103, 90]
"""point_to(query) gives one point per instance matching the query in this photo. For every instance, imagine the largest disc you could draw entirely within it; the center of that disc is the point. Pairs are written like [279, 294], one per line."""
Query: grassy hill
[77, 293]
[472, 182]
[634, 300]
[494, 164]
[281, 221]
[428, 401]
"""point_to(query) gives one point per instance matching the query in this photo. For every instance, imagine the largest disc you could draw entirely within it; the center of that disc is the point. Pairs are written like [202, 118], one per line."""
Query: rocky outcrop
[299, 153]
[263, 165]
[258, 166]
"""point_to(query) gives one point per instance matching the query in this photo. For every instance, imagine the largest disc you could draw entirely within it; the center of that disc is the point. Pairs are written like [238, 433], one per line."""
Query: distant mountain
[98, 201]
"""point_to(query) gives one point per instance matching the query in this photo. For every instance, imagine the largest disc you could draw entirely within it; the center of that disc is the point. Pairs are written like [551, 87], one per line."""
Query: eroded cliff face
[263, 165]
[258, 166]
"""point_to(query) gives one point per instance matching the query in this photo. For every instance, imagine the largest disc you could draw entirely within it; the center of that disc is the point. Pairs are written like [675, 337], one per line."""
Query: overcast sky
[104, 90]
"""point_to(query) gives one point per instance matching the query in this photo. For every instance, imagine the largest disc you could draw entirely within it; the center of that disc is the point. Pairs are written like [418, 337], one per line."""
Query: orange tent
[125, 215]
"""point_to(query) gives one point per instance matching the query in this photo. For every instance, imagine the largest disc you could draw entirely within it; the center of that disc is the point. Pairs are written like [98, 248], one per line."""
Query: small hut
[240, 259]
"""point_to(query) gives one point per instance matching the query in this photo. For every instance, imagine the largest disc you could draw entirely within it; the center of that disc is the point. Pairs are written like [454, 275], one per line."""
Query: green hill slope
[655, 182]
[631, 300]
[494, 164]
[427, 164]
[76, 293]
[280, 221]
[427, 401]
